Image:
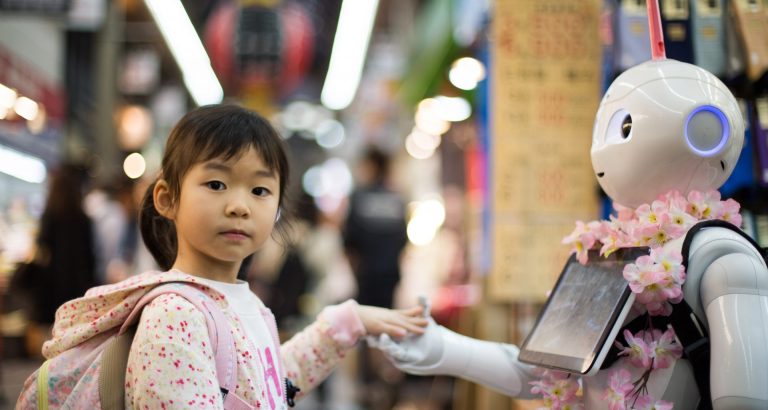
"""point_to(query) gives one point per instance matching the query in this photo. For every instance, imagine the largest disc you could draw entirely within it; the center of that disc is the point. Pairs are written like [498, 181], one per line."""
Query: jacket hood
[105, 308]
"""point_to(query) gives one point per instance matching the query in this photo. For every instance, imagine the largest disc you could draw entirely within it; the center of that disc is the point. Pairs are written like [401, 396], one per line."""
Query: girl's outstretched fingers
[395, 323]
[416, 311]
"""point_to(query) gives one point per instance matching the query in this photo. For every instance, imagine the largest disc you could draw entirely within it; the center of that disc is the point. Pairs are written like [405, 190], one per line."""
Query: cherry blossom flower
[610, 245]
[671, 261]
[641, 234]
[646, 402]
[613, 237]
[680, 217]
[665, 349]
[673, 229]
[638, 352]
[664, 230]
[649, 214]
[542, 386]
[704, 205]
[624, 213]
[729, 212]
[559, 390]
[582, 239]
[653, 284]
[674, 199]
[641, 273]
[619, 386]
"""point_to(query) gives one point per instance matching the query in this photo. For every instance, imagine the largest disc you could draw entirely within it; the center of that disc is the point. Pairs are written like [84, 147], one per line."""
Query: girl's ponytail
[158, 232]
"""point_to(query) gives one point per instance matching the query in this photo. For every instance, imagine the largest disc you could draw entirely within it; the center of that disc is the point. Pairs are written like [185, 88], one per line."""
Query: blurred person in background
[64, 252]
[374, 236]
[322, 250]
[110, 213]
[114, 210]
[374, 231]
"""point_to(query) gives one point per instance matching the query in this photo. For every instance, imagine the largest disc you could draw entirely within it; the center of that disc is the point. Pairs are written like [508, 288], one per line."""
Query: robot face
[665, 125]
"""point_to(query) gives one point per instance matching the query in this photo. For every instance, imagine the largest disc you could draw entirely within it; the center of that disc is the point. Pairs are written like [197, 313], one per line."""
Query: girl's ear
[163, 200]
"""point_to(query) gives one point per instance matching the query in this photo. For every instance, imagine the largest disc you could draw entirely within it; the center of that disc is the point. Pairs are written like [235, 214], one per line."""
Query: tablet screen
[581, 312]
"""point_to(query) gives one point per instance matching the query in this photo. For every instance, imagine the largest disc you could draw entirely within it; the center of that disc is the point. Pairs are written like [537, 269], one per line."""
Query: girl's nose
[237, 207]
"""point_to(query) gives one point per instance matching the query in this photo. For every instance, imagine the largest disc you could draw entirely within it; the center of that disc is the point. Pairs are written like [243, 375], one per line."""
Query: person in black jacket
[375, 231]
[374, 236]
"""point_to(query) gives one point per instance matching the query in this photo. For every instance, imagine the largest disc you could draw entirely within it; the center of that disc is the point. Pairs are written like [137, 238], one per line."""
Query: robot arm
[737, 315]
[440, 351]
[734, 296]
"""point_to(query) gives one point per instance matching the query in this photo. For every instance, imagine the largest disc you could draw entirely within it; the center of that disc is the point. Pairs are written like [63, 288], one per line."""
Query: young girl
[216, 201]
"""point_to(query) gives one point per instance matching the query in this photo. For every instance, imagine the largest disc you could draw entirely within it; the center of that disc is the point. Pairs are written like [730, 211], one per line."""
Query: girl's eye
[215, 185]
[260, 191]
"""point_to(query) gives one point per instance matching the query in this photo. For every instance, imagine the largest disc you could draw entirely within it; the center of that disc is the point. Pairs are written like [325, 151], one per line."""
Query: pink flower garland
[656, 279]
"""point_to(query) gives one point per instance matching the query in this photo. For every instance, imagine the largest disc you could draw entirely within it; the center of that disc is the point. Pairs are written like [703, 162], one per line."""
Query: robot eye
[619, 127]
[626, 126]
[706, 130]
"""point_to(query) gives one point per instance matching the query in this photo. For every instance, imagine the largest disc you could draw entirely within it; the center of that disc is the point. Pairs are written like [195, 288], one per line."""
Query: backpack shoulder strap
[719, 224]
[114, 361]
[115, 357]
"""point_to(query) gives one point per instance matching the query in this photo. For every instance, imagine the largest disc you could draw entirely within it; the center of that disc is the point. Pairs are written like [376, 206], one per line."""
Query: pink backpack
[92, 374]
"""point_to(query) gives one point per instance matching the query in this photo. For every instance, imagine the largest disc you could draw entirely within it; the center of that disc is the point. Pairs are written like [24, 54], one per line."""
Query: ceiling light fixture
[22, 166]
[350, 45]
[187, 50]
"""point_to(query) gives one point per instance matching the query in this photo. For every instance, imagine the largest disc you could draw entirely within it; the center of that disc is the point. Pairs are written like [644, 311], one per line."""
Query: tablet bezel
[590, 364]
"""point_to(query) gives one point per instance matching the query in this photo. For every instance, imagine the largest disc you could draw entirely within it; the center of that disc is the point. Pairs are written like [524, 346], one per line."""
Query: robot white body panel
[734, 296]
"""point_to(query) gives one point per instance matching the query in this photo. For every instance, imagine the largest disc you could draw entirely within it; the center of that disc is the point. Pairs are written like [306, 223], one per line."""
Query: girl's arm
[171, 364]
[311, 355]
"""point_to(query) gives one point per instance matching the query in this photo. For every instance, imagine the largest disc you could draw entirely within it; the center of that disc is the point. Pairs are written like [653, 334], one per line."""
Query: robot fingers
[390, 347]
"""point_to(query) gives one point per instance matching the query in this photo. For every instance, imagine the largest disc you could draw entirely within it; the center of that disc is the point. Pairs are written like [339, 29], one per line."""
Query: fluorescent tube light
[22, 166]
[187, 49]
[349, 48]
[26, 107]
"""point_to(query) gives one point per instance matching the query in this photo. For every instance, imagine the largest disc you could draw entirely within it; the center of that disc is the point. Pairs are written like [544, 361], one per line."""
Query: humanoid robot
[662, 126]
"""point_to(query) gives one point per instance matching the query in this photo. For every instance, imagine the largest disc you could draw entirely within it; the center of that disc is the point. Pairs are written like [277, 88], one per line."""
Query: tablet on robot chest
[583, 314]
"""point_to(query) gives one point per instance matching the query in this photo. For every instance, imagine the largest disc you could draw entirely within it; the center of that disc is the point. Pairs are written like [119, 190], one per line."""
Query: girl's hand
[395, 323]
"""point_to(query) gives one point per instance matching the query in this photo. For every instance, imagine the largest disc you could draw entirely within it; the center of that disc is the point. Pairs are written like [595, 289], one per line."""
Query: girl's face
[226, 211]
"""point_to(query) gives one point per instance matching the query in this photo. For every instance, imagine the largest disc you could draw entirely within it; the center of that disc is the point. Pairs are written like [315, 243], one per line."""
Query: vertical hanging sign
[546, 89]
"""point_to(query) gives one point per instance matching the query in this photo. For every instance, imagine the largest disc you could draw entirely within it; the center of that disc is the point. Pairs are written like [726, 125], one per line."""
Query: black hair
[205, 133]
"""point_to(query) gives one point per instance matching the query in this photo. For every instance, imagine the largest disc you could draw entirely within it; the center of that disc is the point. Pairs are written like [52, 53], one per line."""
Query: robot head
[665, 125]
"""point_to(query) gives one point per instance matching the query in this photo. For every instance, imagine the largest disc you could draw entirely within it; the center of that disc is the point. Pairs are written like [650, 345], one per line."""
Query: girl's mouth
[235, 234]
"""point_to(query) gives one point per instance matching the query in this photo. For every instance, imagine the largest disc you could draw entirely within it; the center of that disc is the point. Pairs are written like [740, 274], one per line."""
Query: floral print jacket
[178, 371]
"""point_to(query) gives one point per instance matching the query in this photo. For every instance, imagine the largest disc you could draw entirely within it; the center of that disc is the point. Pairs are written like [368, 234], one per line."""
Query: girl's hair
[208, 132]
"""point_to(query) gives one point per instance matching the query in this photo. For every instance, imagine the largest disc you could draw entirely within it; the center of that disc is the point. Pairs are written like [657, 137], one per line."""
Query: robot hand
[440, 351]
[416, 354]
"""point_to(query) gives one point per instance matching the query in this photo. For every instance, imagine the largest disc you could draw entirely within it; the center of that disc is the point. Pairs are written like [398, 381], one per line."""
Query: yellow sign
[546, 76]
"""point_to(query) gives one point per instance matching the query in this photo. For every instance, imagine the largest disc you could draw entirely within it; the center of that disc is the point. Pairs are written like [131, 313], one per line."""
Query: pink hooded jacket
[176, 368]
